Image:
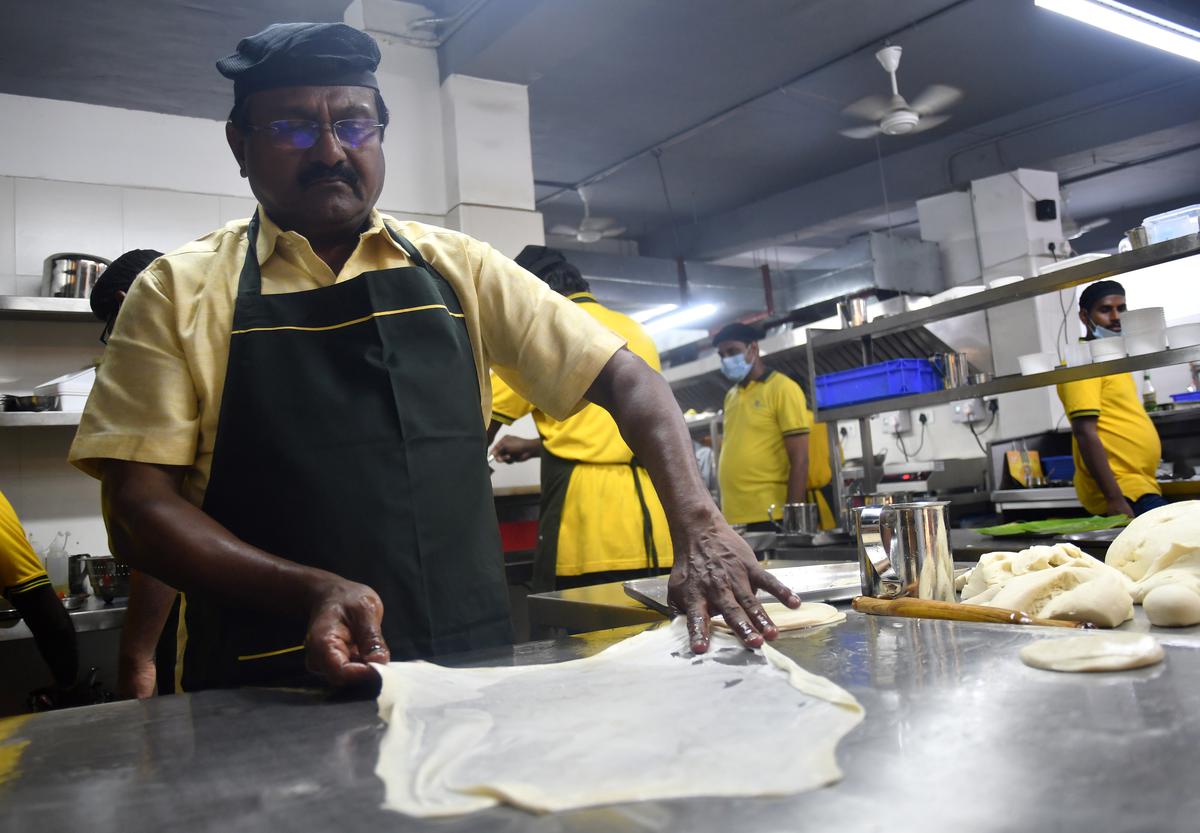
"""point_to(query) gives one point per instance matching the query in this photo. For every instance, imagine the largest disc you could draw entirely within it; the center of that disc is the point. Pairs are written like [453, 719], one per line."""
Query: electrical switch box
[969, 410]
[896, 422]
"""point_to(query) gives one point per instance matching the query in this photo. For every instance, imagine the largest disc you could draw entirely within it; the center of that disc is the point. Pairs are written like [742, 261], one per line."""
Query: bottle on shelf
[1149, 395]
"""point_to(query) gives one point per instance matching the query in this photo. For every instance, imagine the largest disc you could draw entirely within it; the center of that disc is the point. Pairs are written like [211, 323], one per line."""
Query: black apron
[350, 439]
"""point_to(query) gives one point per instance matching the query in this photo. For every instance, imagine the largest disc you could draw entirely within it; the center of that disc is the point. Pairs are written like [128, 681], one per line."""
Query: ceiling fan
[590, 229]
[893, 115]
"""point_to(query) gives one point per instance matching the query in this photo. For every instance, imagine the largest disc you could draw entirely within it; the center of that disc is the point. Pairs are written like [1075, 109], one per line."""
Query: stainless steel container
[71, 274]
[797, 518]
[904, 550]
[853, 312]
[953, 368]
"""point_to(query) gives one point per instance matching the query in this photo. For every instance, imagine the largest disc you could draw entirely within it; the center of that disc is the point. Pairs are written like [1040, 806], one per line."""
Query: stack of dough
[1160, 553]
[1052, 582]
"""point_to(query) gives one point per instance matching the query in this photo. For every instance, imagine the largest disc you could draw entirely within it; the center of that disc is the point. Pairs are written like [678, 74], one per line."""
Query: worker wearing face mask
[1116, 446]
[772, 453]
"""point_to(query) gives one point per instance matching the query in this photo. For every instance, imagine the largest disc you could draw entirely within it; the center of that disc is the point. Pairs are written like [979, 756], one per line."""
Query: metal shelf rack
[38, 419]
[16, 307]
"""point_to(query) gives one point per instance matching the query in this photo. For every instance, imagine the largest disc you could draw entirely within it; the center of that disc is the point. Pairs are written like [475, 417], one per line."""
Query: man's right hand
[137, 678]
[1118, 506]
[513, 449]
[344, 634]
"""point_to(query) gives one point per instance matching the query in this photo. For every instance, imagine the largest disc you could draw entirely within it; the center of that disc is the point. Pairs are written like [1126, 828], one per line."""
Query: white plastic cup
[1032, 363]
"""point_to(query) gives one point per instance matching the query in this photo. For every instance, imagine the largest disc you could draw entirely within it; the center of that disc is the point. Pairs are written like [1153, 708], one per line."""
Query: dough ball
[1157, 540]
[808, 615]
[1172, 606]
[1096, 652]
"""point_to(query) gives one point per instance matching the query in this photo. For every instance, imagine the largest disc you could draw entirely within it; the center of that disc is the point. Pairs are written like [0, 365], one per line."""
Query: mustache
[318, 171]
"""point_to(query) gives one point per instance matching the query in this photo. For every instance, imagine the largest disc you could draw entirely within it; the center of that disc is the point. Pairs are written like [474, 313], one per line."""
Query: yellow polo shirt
[20, 568]
[158, 391]
[1127, 434]
[754, 466]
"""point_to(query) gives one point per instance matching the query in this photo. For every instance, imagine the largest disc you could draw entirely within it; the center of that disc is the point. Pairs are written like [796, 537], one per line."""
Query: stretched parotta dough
[808, 615]
[1095, 652]
[642, 720]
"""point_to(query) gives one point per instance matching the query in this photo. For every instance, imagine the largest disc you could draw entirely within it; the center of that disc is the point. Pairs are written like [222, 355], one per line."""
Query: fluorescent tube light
[1131, 23]
[688, 315]
[644, 315]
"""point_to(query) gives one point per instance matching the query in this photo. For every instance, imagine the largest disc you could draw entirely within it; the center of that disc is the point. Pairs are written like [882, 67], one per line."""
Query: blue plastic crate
[1059, 468]
[898, 377]
[1186, 397]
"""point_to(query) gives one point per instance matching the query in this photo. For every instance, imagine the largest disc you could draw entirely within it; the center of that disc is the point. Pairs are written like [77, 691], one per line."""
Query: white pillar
[489, 162]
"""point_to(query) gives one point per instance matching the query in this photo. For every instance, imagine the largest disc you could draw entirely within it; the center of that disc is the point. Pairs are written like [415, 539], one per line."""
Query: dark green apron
[350, 439]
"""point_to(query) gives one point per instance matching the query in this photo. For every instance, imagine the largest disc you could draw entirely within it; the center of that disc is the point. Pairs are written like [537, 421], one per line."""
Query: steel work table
[958, 735]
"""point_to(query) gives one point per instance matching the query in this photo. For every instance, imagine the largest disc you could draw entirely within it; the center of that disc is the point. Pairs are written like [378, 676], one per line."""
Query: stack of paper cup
[1107, 349]
[1145, 330]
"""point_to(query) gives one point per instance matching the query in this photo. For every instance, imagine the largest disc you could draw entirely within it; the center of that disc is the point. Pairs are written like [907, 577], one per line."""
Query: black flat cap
[737, 332]
[1098, 291]
[302, 55]
[537, 259]
[118, 277]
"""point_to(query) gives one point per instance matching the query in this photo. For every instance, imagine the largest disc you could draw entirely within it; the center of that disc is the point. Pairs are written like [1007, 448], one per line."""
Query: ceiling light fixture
[688, 315]
[1131, 23]
[644, 315]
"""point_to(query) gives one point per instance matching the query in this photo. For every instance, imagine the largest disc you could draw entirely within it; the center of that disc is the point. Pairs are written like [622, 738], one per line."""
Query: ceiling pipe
[719, 117]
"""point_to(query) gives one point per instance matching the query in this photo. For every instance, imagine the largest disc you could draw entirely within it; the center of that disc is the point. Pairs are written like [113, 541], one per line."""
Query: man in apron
[289, 424]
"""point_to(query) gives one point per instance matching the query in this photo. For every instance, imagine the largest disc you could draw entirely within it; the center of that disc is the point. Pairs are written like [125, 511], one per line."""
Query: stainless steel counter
[95, 615]
[959, 735]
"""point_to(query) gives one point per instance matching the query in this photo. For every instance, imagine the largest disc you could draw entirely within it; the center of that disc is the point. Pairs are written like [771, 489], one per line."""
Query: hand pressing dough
[1172, 606]
[1098, 652]
[1052, 582]
[808, 615]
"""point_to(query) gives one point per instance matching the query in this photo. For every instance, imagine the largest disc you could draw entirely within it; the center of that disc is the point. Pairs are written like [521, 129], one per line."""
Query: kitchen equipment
[1144, 320]
[952, 368]
[1140, 344]
[1059, 467]
[1137, 237]
[71, 389]
[852, 312]
[1183, 335]
[980, 378]
[71, 274]
[796, 518]
[1172, 224]
[1032, 363]
[1107, 349]
[109, 577]
[904, 550]
[76, 572]
[956, 611]
[12, 402]
[1077, 354]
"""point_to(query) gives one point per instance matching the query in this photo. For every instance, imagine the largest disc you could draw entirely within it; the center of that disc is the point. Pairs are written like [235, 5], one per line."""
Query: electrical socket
[969, 410]
[896, 422]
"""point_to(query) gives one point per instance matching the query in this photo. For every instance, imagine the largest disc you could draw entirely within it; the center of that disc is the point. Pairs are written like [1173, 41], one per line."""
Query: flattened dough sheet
[643, 720]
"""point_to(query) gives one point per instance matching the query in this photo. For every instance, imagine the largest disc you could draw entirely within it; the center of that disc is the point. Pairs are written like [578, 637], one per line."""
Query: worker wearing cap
[600, 519]
[771, 452]
[1116, 446]
[289, 422]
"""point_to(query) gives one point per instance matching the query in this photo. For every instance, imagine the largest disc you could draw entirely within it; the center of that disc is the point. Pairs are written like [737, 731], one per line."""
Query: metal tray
[811, 582]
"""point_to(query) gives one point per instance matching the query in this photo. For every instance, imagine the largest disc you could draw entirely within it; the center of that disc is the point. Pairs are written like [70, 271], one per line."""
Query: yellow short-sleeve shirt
[20, 568]
[591, 435]
[1129, 437]
[158, 391]
[754, 465]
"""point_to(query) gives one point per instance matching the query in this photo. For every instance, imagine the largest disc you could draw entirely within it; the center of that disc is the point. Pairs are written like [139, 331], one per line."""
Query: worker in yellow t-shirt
[26, 587]
[600, 519]
[1116, 446]
[772, 453]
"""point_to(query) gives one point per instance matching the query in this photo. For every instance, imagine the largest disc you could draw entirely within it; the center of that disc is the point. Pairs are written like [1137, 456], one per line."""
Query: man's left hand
[716, 572]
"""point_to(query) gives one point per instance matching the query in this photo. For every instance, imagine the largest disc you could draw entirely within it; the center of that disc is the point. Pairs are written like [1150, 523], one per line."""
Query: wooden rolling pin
[929, 609]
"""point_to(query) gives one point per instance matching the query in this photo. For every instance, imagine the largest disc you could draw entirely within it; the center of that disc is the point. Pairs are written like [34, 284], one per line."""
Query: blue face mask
[735, 368]
[1104, 332]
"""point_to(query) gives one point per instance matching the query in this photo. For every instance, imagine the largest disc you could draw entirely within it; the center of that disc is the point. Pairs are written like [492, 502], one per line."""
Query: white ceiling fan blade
[871, 108]
[928, 123]
[616, 231]
[865, 132]
[563, 230]
[596, 223]
[936, 98]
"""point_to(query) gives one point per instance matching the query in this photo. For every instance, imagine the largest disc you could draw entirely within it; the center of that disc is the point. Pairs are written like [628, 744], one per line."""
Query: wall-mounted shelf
[38, 419]
[15, 307]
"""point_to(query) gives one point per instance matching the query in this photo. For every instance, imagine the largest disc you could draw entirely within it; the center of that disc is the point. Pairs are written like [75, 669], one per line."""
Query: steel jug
[796, 518]
[904, 550]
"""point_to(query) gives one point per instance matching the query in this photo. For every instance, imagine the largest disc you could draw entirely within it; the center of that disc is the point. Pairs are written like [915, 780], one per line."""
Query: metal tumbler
[904, 550]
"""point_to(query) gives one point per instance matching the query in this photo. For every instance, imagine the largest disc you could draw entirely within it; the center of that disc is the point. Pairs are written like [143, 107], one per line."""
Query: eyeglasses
[301, 134]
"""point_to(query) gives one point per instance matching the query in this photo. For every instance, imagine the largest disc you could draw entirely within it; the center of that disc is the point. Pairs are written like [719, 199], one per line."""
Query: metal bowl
[109, 577]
